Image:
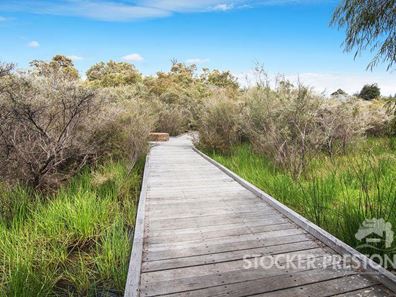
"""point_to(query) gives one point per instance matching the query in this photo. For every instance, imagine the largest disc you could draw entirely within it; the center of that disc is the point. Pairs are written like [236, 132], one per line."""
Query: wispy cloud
[75, 58]
[197, 61]
[135, 57]
[33, 44]
[223, 7]
[93, 9]
[129, 10]
[2, 19]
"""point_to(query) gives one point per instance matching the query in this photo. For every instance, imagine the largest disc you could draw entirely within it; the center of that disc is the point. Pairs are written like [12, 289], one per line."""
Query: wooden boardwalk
[199, 232]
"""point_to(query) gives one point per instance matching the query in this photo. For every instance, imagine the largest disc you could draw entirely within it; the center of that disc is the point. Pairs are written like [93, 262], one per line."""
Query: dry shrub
[123, 130]
[340, 124]
[219, 124]
[290, 124]
[45, 127]
[375, 116]
[51, 126]
[170, 118]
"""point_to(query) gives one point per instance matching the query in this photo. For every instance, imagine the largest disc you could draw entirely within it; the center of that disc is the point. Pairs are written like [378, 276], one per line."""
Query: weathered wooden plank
[226, 256]
[194, 202]
[372, 291]
[325, 288]
[267, 284]
[212, 248]
[213, 232]
[203, 216]
[185, 213]
[135, 262]
[240, 192]
[220, 276]
[190, 223]
[264, 236]
[216, 268]
[203, 204]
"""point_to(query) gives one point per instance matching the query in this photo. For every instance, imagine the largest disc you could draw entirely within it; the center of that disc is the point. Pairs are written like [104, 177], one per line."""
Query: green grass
[336, 194]
[76, 242]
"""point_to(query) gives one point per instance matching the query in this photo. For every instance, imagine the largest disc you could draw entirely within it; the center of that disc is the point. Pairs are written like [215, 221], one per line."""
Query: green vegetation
[70, 151]
[370, 92]
[337, 194]
[75, 242]
[369, 25]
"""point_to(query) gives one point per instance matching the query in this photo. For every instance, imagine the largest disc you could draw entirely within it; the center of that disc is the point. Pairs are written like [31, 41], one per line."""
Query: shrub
[171, 118]
[220, 124]
[123, 130]
[370, 92]
[59, 63]
[52, 125]
[45, 123]
[113, 74]
[339, 124]
[375, 117]
[282, 124]
[290, 124]
[339, 92]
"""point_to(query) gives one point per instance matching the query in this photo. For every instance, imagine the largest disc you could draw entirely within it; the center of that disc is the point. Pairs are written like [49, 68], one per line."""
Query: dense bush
[219, 124]
[52, 125]
[290, 124]
[113, 74]
[283, 124]
[45, 125]
[370, 92]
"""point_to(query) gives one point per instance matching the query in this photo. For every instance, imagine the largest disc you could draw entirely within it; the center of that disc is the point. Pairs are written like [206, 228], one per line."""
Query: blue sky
[291, 37]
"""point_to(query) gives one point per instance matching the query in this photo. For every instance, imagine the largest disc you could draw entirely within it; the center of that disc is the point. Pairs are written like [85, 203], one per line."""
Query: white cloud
[133, 57]
[197, 61]
[223, 7]
[33, 44]
[105, 10]
[75, 58]
[330, 82]
[128, 10]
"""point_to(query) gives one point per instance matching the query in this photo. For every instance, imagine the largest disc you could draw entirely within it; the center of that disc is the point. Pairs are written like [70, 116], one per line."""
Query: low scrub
[290, 125]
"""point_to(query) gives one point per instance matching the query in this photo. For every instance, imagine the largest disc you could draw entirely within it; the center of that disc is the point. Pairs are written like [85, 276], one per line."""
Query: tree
[220, 79]
[5, 69]
[369, 24]
[113, 74]
[339, 92]
[58, 63]
[180, 79]
[370, 92]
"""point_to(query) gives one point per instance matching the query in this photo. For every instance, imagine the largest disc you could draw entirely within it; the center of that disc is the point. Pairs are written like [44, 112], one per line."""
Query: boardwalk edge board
[135, 263]
[380, 273]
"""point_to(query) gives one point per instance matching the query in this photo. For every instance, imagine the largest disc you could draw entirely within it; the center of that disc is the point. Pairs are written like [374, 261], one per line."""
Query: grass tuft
[77, 243]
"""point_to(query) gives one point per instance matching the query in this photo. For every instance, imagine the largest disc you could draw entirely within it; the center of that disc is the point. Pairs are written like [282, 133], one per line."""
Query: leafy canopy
[113, 74]
[59, 63]
[370, 92]
[369, 24]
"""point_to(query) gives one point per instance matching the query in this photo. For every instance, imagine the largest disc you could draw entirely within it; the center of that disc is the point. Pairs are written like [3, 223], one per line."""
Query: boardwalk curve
[203, 231]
